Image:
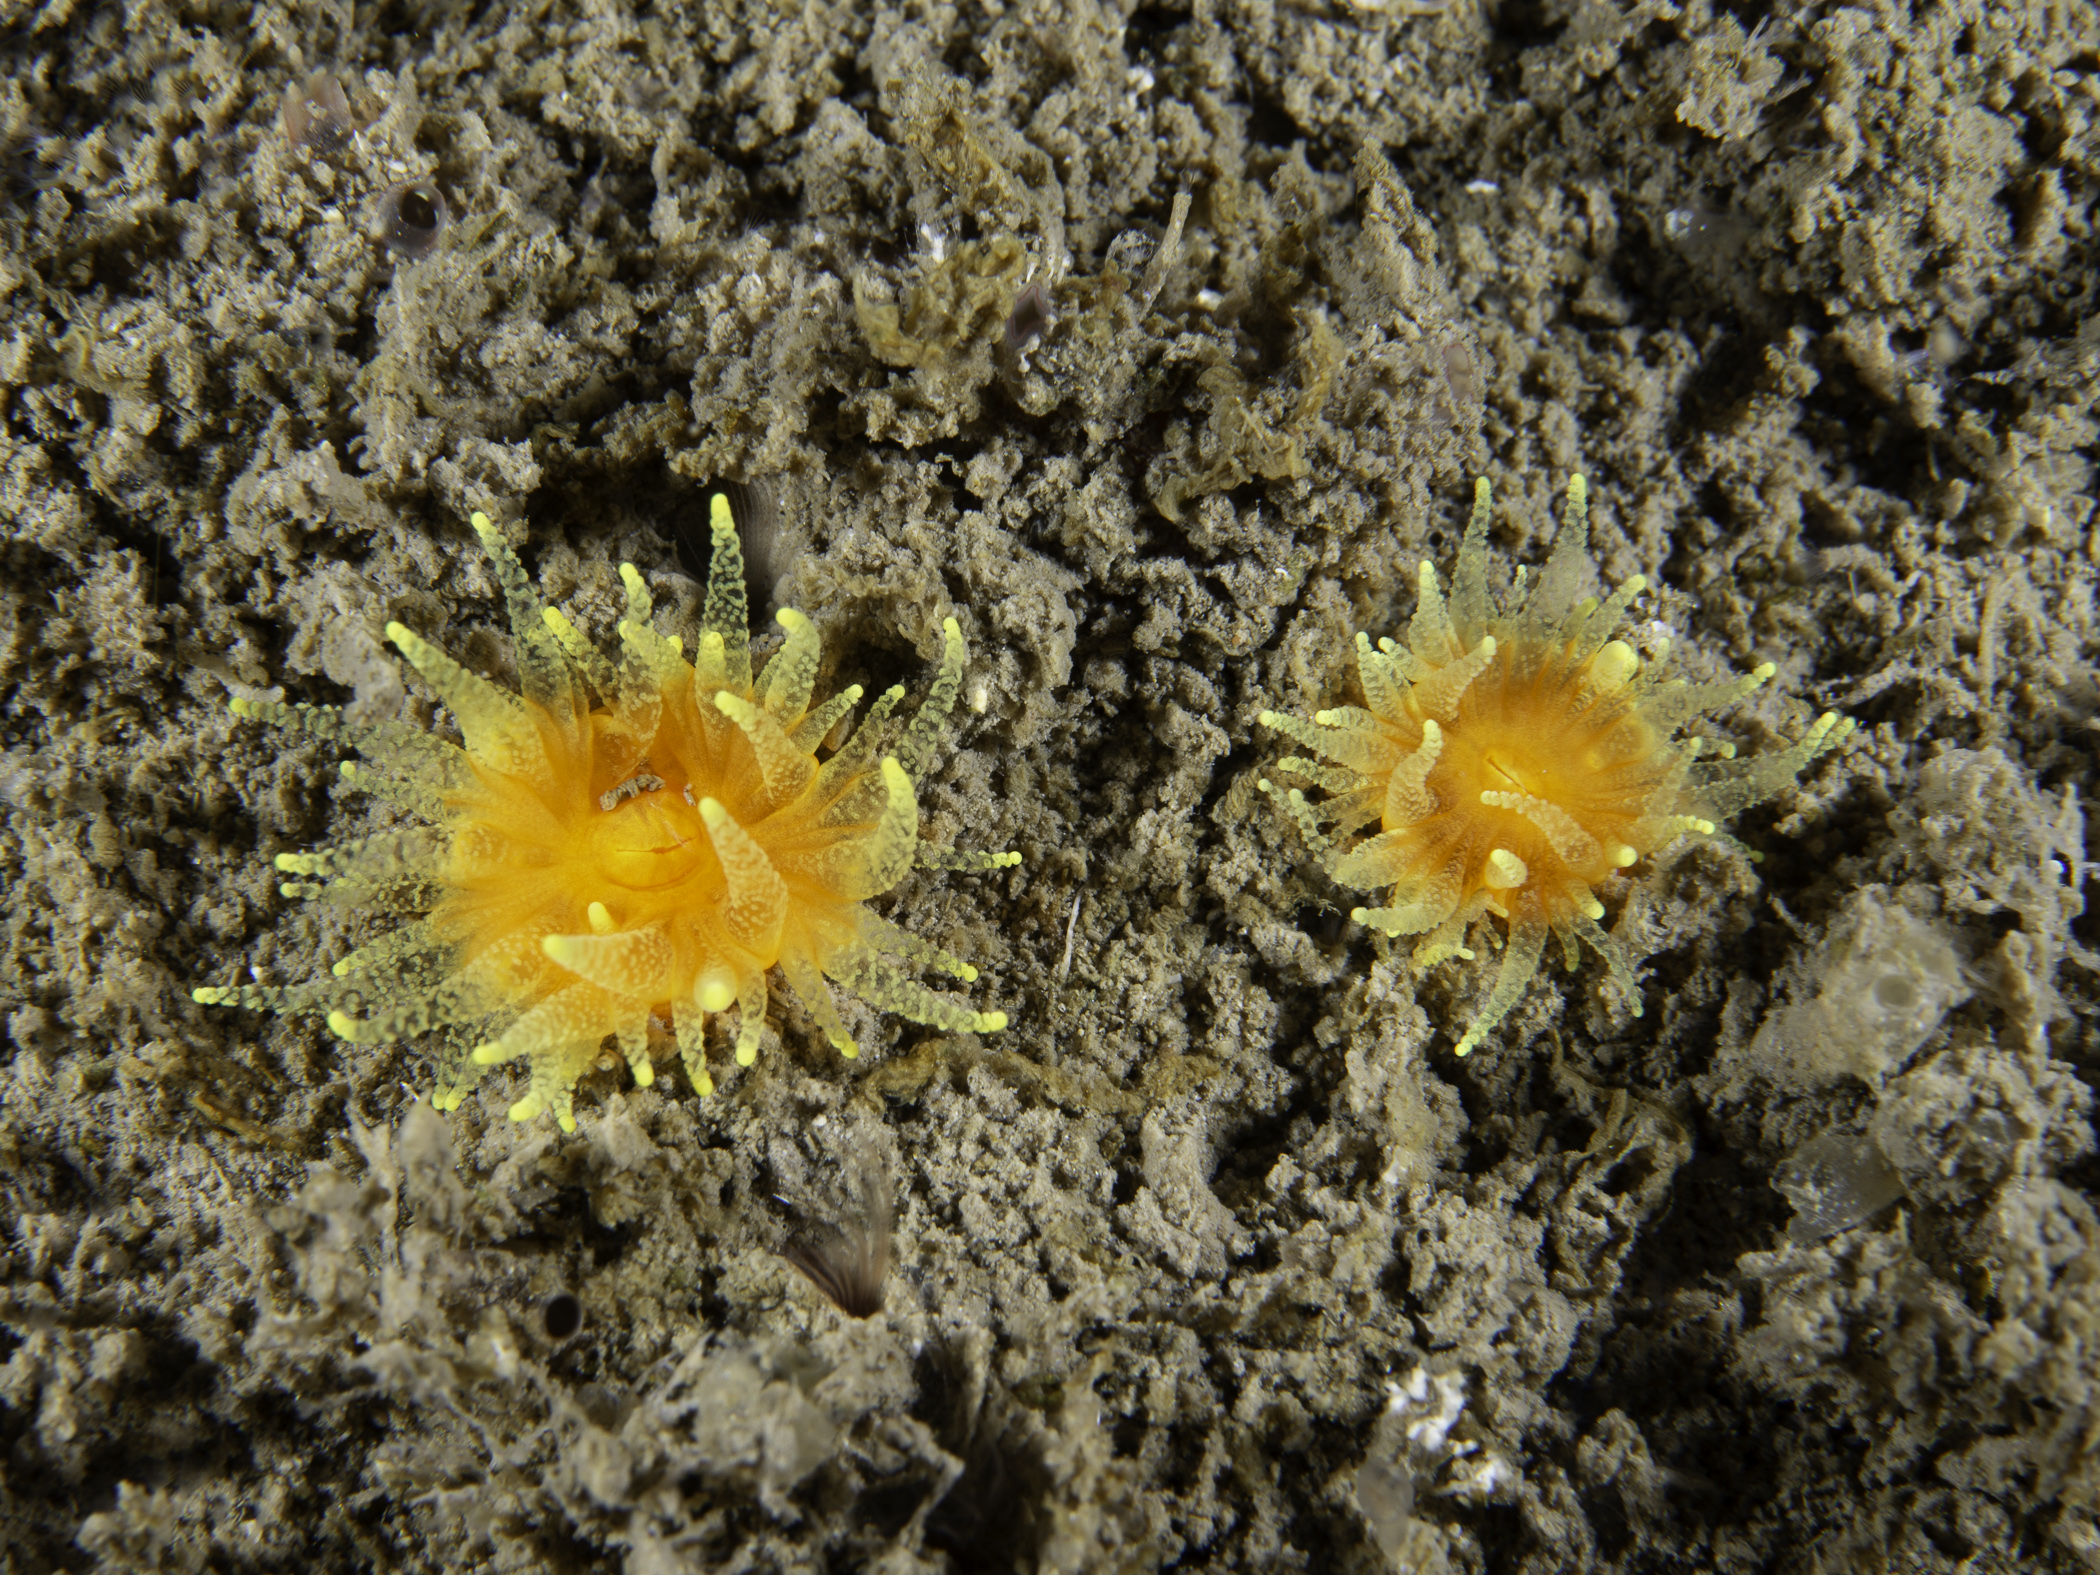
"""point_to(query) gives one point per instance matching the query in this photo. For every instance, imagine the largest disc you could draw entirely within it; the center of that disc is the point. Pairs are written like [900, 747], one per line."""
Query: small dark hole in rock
[562, 1315]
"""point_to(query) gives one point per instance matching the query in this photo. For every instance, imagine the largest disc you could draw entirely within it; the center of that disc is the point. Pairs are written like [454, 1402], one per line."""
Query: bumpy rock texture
[1215, 1257]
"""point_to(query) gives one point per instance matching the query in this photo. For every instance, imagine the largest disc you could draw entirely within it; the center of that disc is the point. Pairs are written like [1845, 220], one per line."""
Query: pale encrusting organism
[660, 852]
[1517, 761]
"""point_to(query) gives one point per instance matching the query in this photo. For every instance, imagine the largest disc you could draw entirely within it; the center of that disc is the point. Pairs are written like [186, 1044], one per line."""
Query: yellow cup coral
[1517, 761]
[660, 852]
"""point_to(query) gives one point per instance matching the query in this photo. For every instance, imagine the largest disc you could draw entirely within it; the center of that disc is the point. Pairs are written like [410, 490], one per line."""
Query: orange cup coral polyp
[1516, 761]
[661, 852]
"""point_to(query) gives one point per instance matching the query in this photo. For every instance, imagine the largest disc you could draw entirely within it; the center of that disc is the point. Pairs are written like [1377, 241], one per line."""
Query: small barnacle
[659, 853]
[317, 115]
[1030, 316]
[28, 164]
[851, 1262]
[1835, 1181]
[410, 218]
[1516, 761]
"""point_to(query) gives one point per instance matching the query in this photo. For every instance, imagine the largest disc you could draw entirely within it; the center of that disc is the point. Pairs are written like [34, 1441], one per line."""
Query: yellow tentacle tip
[644, 1073]
[528, 1107]
[990, 1022]
[601, 919]
[703, 1085]
[1505, 871]
[343, 1026]
[212, 995]
[719, 517]
[1831, 729]
[1612, 666]
[717, 989]
[746, 1055]
[490, 1054]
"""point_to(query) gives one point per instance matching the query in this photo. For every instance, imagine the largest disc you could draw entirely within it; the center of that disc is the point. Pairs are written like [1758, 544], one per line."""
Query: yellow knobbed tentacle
[785, 768]
[895, 839]
[726, 611]
[1438, 694]
[494, 723]
[1407, 795]
[793, 669]
[758, 897]
[633, 963]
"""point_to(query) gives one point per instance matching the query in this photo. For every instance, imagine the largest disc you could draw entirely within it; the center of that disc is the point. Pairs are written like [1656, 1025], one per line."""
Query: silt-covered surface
[1217, 1257]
